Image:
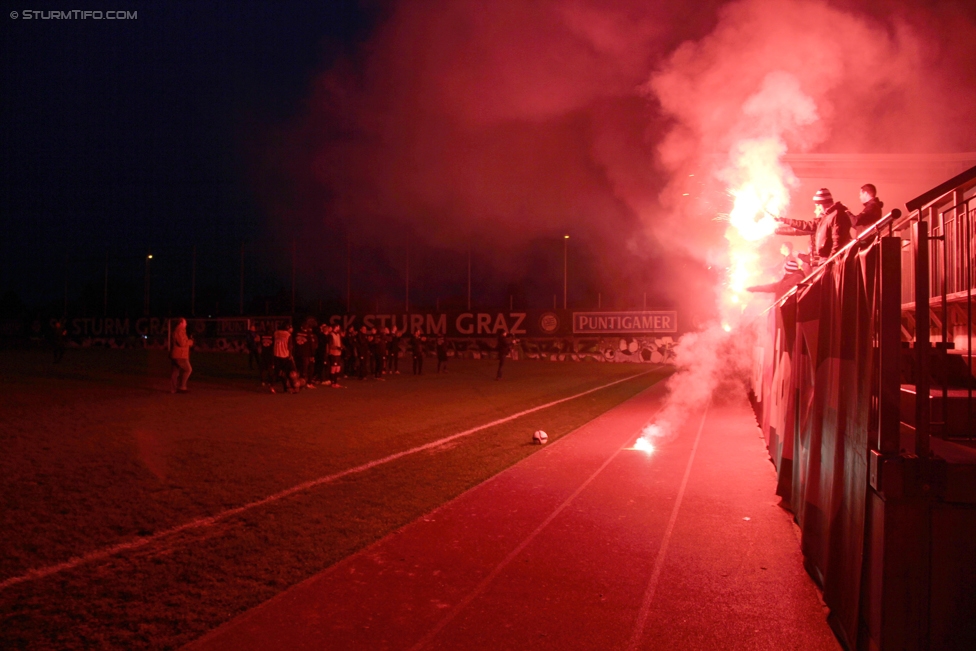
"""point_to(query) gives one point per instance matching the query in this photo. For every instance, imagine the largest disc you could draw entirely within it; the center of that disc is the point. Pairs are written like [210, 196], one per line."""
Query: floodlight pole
[565, 266]
[193, 283]
[469, 278]
[145, 307]
[348, 274]
[105, 288]
[242, 278]
[64, 312]
[406, 300]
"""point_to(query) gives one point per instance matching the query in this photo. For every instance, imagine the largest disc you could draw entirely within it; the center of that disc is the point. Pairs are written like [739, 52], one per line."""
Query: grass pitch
[97, 453]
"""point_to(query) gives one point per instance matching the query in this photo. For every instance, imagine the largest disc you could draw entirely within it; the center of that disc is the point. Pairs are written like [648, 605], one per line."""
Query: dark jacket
[417, 344]
[868, 216]
[504, 344]
[832, 231]
[267, 345]
[253, 341]
[302, 345]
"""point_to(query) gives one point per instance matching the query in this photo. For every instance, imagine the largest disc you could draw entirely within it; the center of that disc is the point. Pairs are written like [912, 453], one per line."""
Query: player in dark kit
[253, 348]
[335, 348]
[351, 352]
[393, 352]
[322, 353]
[505, 343]
[312, 342]
[417, 347]
[304, 349]
[441, 347]
[363, 341]
[379, 353]
[300, 351]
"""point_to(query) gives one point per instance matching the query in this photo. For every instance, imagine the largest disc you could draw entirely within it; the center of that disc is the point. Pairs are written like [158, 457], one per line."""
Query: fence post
[896, 598]
[921, 255]
[889, 393]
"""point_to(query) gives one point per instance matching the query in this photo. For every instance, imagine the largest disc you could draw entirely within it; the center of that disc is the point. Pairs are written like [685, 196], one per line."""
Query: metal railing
[937, 303]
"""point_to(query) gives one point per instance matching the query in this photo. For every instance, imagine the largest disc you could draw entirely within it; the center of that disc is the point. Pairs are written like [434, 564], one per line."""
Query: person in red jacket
[179, 353]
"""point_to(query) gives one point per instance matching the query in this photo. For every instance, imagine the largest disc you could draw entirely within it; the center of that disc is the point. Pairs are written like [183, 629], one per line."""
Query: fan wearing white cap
[831, 225]
[792, 274]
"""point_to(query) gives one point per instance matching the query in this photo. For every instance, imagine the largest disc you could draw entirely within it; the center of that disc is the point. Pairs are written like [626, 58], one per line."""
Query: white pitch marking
[483, 585]
[105, 552]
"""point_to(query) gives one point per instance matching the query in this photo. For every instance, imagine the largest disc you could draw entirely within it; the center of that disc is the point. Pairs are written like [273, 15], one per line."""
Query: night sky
[121, 137]
[430, 132]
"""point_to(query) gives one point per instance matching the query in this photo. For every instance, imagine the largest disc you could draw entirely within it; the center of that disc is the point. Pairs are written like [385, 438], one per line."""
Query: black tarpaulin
[816, 417]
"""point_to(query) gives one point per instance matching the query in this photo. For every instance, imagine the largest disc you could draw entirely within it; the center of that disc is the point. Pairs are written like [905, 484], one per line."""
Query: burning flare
[644, 445]
[759, 183]
[763, 192]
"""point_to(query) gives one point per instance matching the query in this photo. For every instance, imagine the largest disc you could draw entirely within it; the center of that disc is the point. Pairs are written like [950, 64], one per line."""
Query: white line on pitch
[481, 587]
[105, 552]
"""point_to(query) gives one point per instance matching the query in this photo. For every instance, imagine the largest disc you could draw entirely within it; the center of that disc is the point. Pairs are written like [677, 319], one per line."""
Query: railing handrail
[875, 227]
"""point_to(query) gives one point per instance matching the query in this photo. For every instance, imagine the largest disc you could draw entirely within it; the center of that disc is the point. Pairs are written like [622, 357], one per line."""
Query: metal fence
[937, 306]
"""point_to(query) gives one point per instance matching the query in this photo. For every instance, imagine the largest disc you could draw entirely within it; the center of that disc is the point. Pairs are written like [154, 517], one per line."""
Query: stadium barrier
[555, 335]
[885, 503]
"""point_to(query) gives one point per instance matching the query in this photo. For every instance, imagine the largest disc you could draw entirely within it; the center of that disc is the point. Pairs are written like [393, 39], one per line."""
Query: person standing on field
[394, 351]
[364, 344]
[335, 347]
[349, 352]
[266, 365]
[302, 350]
[253, 348]
[285, 360]
[322, 353]
[504, 346]
[179, 353]
[379, 352]
[417, 346]
[440, 345]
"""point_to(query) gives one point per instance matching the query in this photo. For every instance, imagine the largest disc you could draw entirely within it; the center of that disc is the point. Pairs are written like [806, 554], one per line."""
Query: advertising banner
[464, 324]
[530, 323]
[602, 323]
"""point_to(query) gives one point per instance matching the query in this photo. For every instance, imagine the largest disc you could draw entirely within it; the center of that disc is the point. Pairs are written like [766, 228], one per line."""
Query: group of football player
[324, 355]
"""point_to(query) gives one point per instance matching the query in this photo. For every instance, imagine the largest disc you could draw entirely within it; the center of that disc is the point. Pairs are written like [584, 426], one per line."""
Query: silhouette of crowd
[324, 355]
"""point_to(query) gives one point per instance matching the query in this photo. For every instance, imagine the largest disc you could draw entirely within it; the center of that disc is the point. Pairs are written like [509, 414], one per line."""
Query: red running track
[585, 545]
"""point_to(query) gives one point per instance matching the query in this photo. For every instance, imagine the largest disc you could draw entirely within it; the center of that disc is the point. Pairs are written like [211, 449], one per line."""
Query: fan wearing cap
[792, 274]
[831, 226]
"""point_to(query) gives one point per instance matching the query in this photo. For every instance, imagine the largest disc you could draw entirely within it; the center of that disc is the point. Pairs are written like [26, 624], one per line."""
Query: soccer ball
[540, 437]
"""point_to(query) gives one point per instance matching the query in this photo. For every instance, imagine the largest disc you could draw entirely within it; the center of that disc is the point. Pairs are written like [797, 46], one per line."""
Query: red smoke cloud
[501, 122]
[870, 82]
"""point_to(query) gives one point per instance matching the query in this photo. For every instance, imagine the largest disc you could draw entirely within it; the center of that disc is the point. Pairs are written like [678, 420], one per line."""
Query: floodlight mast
[565, 266]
